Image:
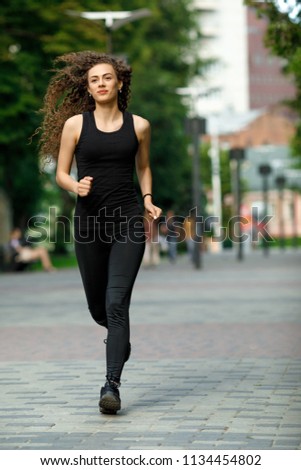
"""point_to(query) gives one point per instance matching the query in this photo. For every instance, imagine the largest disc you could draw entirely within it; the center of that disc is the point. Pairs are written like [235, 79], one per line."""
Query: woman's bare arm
[69, 139]
[144, 174]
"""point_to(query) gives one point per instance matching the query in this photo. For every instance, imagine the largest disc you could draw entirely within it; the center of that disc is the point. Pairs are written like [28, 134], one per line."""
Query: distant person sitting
[22, 255]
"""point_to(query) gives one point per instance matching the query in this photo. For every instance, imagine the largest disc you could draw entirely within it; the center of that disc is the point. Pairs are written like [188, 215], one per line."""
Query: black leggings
[108, 271]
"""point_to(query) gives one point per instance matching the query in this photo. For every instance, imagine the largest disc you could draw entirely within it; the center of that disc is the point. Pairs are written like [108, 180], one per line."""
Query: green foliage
[31, 34]
[162, 55]
[283, 37]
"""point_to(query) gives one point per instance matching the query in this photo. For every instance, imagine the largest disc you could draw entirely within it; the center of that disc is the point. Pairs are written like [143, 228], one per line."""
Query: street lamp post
[196, 127]
[237, 155]
[280, 182]
[294, 178]
[113, 20]
[264, 171]
[216, 178]
[295, 221]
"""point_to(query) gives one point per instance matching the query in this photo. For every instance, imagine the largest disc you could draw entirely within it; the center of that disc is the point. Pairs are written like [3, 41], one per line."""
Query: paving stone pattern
[216, 360]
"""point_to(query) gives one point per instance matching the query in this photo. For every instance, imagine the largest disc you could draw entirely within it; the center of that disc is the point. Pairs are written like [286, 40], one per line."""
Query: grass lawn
[58, 261]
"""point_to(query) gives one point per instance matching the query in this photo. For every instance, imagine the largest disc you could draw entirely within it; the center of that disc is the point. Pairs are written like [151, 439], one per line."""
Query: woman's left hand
[153, 211]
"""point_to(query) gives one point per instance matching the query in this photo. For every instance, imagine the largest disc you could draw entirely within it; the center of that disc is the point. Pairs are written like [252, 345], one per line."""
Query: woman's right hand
[84, 186]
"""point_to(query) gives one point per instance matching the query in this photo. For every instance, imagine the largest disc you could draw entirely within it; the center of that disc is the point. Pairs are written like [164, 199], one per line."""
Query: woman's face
[103, 83]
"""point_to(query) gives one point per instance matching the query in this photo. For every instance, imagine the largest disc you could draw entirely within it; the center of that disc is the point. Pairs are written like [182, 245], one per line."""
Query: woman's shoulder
[75, 120]
[141, 124]
[74, 124]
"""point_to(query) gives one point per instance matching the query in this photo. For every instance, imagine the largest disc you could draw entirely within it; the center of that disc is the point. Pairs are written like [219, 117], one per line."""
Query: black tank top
[109, 157]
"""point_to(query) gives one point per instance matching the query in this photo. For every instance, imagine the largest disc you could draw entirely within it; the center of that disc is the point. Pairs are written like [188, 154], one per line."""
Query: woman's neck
[108, 117]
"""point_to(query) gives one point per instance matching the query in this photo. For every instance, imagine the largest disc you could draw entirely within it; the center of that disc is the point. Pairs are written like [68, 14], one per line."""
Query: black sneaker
[109, 402]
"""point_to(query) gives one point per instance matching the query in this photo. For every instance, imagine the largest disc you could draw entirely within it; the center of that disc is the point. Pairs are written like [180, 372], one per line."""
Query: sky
[293, 5]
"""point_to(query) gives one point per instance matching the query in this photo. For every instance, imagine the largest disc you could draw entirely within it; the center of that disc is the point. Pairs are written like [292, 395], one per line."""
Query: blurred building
[267, 85]
[269, 126]
[241, 74]
[265, 139]
[240, 92]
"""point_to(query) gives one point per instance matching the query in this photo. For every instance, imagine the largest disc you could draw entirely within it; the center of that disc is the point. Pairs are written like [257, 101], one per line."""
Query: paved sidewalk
[216, 361]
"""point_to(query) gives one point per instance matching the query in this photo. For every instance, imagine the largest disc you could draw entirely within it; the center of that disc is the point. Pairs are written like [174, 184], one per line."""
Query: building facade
[267, 84]
[240, 95]
[242, 74]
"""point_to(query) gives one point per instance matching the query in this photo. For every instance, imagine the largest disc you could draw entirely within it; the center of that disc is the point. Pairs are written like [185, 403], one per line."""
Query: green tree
[163, 57]
[29, 39]
[283, 37]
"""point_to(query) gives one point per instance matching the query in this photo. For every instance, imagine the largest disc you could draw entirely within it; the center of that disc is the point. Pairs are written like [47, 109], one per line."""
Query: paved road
[216, 361]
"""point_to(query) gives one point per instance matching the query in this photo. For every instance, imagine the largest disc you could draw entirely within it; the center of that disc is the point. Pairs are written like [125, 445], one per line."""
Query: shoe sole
[104, 411]
[108, 405]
